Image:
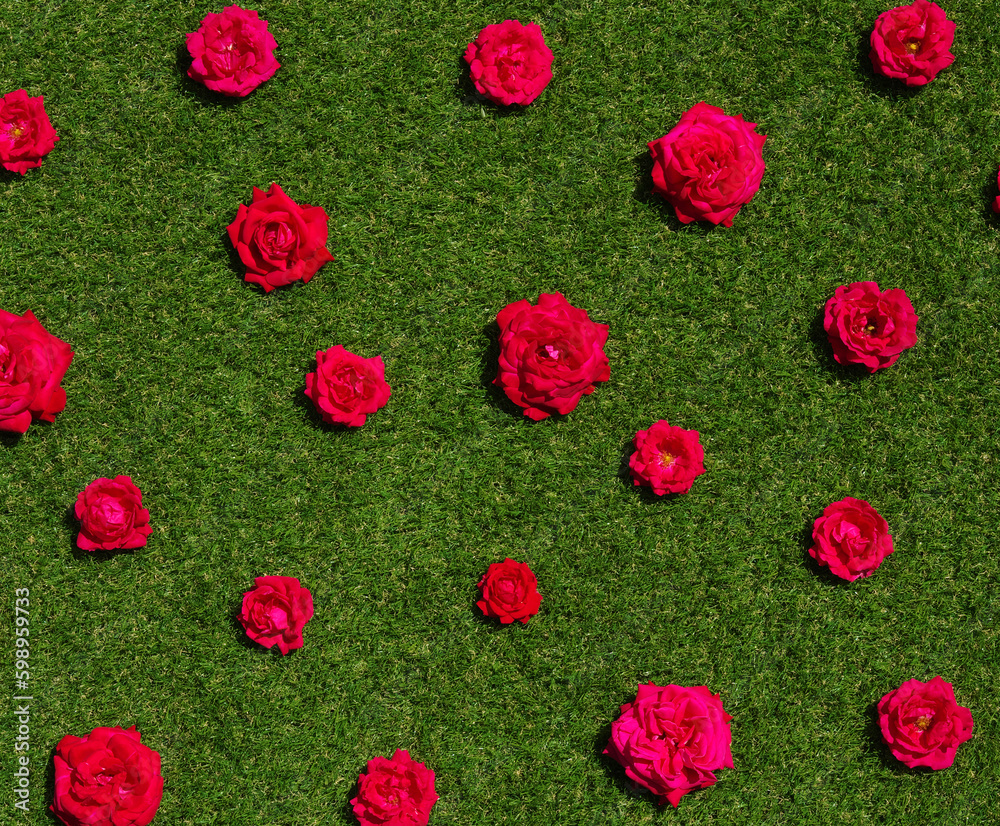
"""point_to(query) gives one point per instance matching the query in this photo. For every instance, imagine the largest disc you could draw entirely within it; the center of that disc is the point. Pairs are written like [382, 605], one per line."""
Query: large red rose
[709, 165]
[923, 724]
[233, 52]
[509, 62]
[395, 792]
[911, 43]
[551, 354]
[106, 778]
[510, 592]
[672, 739]
[667, 458]
[275, 611]
[346, 387]
[111, 515]
[278, 240]
[32, 364]
[867, 326]
[851, 538]
[26, 134]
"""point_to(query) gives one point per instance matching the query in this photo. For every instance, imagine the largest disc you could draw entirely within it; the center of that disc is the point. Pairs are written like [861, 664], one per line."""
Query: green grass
[442, 210]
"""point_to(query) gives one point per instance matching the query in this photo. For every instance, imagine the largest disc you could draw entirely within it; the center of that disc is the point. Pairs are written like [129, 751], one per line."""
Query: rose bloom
[26, 134]
[923, 724]
[278, 240]
[667, 458]
[672, 739]
[233, 52]
[32, 365]
[870, 327]
[275, 611]
[395, 792]
[510, 592]
[346, 387]
[911, 43]
[550, 355]
[509, 62]
[709, 165]
[111, 515]
[851, 539]
[106, 778]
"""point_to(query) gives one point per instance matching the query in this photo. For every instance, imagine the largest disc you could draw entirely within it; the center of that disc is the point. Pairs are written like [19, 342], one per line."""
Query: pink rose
[32, 364]
[550, 355]
[851, 539]
[672, 739]
[278, 240]
[709, 165]
[233, 52]
[275, 611]
[111, 515]
[346, 387]
[106, 778]
[26, 134]
[510, 592]
[911, 43]
[667, 458]
[870, 327]
[395, 792]
[509, 62]
[923, 724]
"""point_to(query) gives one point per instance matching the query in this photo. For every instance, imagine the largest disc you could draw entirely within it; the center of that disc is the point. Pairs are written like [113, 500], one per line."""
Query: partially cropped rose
[395, 792]
[510, 592]
[709, 165]
[32, 365]
[667, 458]
[346, 387]
[923, 724]
[26, 134]
[911, 43]
[111, 515]
[106, 778]
[278, 240]
[233, 52]
[996, 201]
[851, 539]
[870, 327]
[551, 354]
[509, 62]
[672, 739]
[275, 611]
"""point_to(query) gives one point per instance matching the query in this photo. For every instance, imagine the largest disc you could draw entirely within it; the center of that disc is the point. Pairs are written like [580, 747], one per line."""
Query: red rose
[911, 43]
[509, 62]
[111, 515]
[396, 792]
[851, 538]
[667, 458]
[923, 724]
[672, 739]
[346, 387]
[26, 134]
[233, 52]
[550, 355]
[870, 327]
[106, 778]
[32, 364]
[275, 611]
[510, 592]
[709, 165]
[278, 240]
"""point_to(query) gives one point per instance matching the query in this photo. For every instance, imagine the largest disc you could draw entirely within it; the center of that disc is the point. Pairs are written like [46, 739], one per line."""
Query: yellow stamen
[667, 459]
[923, 723]
[912, 45]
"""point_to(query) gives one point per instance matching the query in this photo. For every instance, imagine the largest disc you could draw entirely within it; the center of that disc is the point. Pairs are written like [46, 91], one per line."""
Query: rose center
[549, 351]
[923, 723]
[912, 45]
[667, 459]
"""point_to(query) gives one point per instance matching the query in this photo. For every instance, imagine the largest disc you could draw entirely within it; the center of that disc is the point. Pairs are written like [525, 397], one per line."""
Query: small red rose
[395, 792]
[667, 458]
[867, 326]
[911, 43]
[233, 52]
[278, 240]
[923, 724]
[346, 387]
[509, 62]
[106, 778]
[275, 611]
[32, 365]
[510, 592]
[26, 134]
[551, 354]
[111, 516]
[851, 539]
[709, 165]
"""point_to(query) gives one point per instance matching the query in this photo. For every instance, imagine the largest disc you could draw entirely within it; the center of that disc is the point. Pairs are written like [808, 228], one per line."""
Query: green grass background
[442, 210]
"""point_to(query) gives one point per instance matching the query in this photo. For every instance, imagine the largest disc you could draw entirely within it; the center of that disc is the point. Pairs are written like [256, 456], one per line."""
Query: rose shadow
[643, 193]
[192, 88]
[494, 396]
[875, 743]
[615, 771]
[881, 85]
[299, 398]
[852, 373]
[50, 785]
[645, 493]
[990, 193]
[469, 96]
[240, 633]
[73, 527]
